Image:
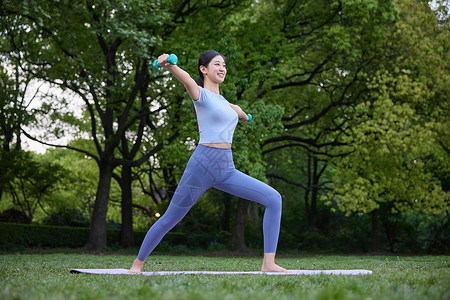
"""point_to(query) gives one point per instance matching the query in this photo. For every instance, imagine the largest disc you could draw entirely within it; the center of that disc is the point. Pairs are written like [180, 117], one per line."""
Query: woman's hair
[204, 60]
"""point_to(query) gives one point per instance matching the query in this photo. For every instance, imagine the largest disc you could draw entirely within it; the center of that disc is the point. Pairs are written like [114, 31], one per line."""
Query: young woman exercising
[211, 164]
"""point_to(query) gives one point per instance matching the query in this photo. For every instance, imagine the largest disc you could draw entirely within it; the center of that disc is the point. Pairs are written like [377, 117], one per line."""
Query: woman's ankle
[269, 264]
[136, 268]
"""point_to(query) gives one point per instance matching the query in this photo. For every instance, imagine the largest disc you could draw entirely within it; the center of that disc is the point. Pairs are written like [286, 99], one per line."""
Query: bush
[20, 236]
[15, 216]
[67, 217]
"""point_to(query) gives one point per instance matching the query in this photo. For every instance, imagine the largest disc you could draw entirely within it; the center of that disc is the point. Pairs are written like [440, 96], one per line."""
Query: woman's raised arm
[190, 85]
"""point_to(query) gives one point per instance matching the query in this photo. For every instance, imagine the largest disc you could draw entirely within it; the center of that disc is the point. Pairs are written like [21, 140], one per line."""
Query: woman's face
[216, 70]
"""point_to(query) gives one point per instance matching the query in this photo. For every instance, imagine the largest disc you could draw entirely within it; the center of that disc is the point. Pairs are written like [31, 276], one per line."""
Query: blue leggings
[213, 167]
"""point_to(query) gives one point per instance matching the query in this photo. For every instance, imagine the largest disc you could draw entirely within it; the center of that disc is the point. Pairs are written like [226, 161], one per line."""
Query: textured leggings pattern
[213, 167]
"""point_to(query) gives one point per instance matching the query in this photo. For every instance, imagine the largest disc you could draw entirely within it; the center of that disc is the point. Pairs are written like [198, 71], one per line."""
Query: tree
[400, 154]
[27, 179]
[313, 69]
[89, 52]
[100, 51]
[14, 111]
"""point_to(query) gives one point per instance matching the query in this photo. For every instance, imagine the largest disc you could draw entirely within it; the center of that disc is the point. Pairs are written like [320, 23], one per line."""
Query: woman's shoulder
[207, 95]
[202, 95]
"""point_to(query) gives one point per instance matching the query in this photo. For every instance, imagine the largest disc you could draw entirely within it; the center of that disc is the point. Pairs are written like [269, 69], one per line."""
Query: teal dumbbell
[173, 60]
[250, 118]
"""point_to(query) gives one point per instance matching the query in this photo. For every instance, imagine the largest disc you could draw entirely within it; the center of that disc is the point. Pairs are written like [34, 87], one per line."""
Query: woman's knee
[275, 199]
[165, 223]
[170, 219]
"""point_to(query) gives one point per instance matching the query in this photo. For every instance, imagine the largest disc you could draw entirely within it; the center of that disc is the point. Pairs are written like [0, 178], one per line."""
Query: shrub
[15, 216]
[20, 236]
[67, 217]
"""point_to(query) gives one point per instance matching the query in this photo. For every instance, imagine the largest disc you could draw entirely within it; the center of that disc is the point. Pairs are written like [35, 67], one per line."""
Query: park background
[351, 123]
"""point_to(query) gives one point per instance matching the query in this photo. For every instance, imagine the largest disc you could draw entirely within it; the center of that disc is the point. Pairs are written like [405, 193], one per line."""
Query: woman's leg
[171, 217]
[192, 185]
[246, 187]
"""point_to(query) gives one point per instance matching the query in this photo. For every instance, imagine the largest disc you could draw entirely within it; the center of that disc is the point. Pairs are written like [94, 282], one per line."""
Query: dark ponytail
[204, 60]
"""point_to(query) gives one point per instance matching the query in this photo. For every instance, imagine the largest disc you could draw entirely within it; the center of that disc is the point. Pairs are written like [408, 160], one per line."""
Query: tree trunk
[238, 235]
[126, 230]
[390, 227]
[226, 215]
[314, 191]
[308, 188]
[171, 184]
[375, 239]
[97, 235]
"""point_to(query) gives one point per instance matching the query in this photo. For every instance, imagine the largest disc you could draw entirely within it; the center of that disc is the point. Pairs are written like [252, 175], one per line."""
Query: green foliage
[77, 191]
[13, 215]
[22, 236]
[27, 179]
[67, 217]
[248, 137]
[361, 87]
[14, 111]
[392, 147]
[398, 138]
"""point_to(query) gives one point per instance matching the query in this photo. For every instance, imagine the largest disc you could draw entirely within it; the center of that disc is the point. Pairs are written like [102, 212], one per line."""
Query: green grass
[46, 276]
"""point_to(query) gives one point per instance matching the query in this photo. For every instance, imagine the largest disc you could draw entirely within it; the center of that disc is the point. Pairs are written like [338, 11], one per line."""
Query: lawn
[46, 276]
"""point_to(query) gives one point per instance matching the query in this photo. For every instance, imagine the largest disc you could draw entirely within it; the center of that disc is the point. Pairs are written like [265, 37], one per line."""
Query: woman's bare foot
[274, 268]
[269, 264]
[136, 267]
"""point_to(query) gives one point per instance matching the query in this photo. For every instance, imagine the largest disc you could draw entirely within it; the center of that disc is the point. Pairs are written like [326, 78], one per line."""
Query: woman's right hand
[162, 60]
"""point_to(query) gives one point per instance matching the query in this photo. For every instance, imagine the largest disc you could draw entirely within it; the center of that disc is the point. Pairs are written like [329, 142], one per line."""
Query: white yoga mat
[294, 272]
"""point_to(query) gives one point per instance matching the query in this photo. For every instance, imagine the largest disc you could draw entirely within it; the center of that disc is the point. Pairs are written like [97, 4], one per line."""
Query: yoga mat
[294, 272]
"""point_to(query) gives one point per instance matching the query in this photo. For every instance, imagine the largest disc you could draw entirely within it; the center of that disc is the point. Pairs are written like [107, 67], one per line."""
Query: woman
[211, 164]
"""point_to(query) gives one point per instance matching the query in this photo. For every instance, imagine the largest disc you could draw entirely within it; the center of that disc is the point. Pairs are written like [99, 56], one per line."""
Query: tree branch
[312, 142]
[288, 181]
[145, 210]
[60, 146]
[326, 109]
[307, 149]
[144, 158]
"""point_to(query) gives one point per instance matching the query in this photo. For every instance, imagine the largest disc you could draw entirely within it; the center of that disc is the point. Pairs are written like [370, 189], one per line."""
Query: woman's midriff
[218, 145]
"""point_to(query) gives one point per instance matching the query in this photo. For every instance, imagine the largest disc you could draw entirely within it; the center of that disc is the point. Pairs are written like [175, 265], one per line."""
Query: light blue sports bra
[216, 119]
